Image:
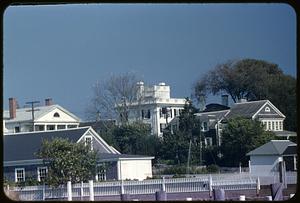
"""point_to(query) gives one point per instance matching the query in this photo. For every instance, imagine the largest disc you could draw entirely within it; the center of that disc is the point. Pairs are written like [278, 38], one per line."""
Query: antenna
[32, 111]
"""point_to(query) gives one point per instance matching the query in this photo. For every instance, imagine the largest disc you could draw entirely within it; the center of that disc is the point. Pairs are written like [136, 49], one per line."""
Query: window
[269, 125]
[265, 125]
[72, 126]
[148, 114]
[19, 175]
[267, 109]
[42, 173]
[61, 127]
[17, 129]
[162, 127]
[204, 126]
[273, 127]
[143, 114]
[170, 113]
[280, 125]
[39, 127]
[160, 113]
[175, 112]
[276, 125]
[50, 127]
[208, 141]
[100, 173]
[89, 142]
[56, 115]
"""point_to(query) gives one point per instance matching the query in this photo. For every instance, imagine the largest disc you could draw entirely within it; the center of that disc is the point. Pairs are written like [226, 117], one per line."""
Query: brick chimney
[12, 108]
[48, 102]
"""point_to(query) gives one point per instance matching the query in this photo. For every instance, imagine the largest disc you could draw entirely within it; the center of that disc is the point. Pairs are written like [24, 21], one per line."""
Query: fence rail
[199, 183]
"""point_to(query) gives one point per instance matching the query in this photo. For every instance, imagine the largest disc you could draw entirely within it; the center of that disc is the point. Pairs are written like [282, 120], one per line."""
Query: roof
[214, 115]
[23, 146]
[25, 114]
[99, 125]
[274, 147]
[291, 149]
[285, 133]
[110, 157]
[245, 109]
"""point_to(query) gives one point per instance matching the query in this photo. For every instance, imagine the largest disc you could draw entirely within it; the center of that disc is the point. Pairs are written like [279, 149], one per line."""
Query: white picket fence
[174, 185]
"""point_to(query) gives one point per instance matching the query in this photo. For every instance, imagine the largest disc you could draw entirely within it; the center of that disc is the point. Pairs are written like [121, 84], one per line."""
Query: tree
[67, 161]
[112, 97]
[175, 145]
[239, 137]
[254, 80]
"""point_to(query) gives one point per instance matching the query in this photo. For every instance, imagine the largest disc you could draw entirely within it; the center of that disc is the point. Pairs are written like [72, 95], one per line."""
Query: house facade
[214, 121]
[42, 118]
[266, 158]
[154, 106]
[21, 163]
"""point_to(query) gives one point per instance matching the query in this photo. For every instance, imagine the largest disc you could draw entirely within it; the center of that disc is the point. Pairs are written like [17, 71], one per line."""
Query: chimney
[48, 102]
[12, 108]
[225, 100]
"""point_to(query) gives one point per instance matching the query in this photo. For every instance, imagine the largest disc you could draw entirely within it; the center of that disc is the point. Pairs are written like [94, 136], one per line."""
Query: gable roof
[25, 114]
[245, 109]
[274, 147]
[23, 146]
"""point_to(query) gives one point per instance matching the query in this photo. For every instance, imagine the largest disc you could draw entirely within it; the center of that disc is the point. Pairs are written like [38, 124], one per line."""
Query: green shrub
[212, 168]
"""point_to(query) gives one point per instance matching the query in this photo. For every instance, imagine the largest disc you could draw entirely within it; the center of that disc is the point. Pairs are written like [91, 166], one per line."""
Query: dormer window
[267, 109]
[89, 142]
[56, 115]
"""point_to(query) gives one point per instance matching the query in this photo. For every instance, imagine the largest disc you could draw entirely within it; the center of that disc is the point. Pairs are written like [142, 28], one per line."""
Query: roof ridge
[247, 102]
[46, 131]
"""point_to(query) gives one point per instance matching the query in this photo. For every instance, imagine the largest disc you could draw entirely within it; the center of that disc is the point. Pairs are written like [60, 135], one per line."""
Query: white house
[265, 159]
[154, 106]
[48, 117]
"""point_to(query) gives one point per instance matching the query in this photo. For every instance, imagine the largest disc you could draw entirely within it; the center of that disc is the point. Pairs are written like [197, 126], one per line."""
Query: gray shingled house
[20, 161]
[266, 158]
[213, 122]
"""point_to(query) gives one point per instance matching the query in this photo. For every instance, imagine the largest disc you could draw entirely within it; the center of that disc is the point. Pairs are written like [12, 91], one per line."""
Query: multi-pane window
[42, 173]
[89, 142]
[208, 141]
[50, 127]
[273, 127]
[276, 125]
[100, 173]
[280, 125]
[19, 174]
[269, 125]
[59, 127]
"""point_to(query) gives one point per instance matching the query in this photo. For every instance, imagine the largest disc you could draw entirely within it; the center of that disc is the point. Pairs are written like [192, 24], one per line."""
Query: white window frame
[85, 142]
[101, 174]
[208, 141]
[204, 129]
[267, 109]
[16, 174]
[39, 174]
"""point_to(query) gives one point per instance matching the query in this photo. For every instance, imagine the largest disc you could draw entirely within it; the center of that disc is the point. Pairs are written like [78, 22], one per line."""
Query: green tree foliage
[67, 161]
[175, 144]
[134, 138]
[254, 80]
[239, 137]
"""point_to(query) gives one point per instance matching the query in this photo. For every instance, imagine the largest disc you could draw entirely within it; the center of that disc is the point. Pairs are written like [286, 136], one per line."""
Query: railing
[174, 185]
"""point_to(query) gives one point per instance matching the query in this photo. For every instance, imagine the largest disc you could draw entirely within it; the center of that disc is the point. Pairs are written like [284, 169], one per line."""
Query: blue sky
[61, 51]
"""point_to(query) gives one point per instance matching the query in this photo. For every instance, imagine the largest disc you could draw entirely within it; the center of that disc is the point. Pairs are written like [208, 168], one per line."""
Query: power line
[32, 111]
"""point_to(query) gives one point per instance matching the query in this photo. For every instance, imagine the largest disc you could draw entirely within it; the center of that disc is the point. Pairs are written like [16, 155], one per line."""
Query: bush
[213, 169]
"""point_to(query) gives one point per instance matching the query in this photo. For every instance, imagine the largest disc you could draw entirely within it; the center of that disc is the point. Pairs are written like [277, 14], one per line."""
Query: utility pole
[32, 111]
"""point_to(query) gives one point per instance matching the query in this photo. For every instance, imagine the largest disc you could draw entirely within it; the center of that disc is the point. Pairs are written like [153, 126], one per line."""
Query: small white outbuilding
[265, 159]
